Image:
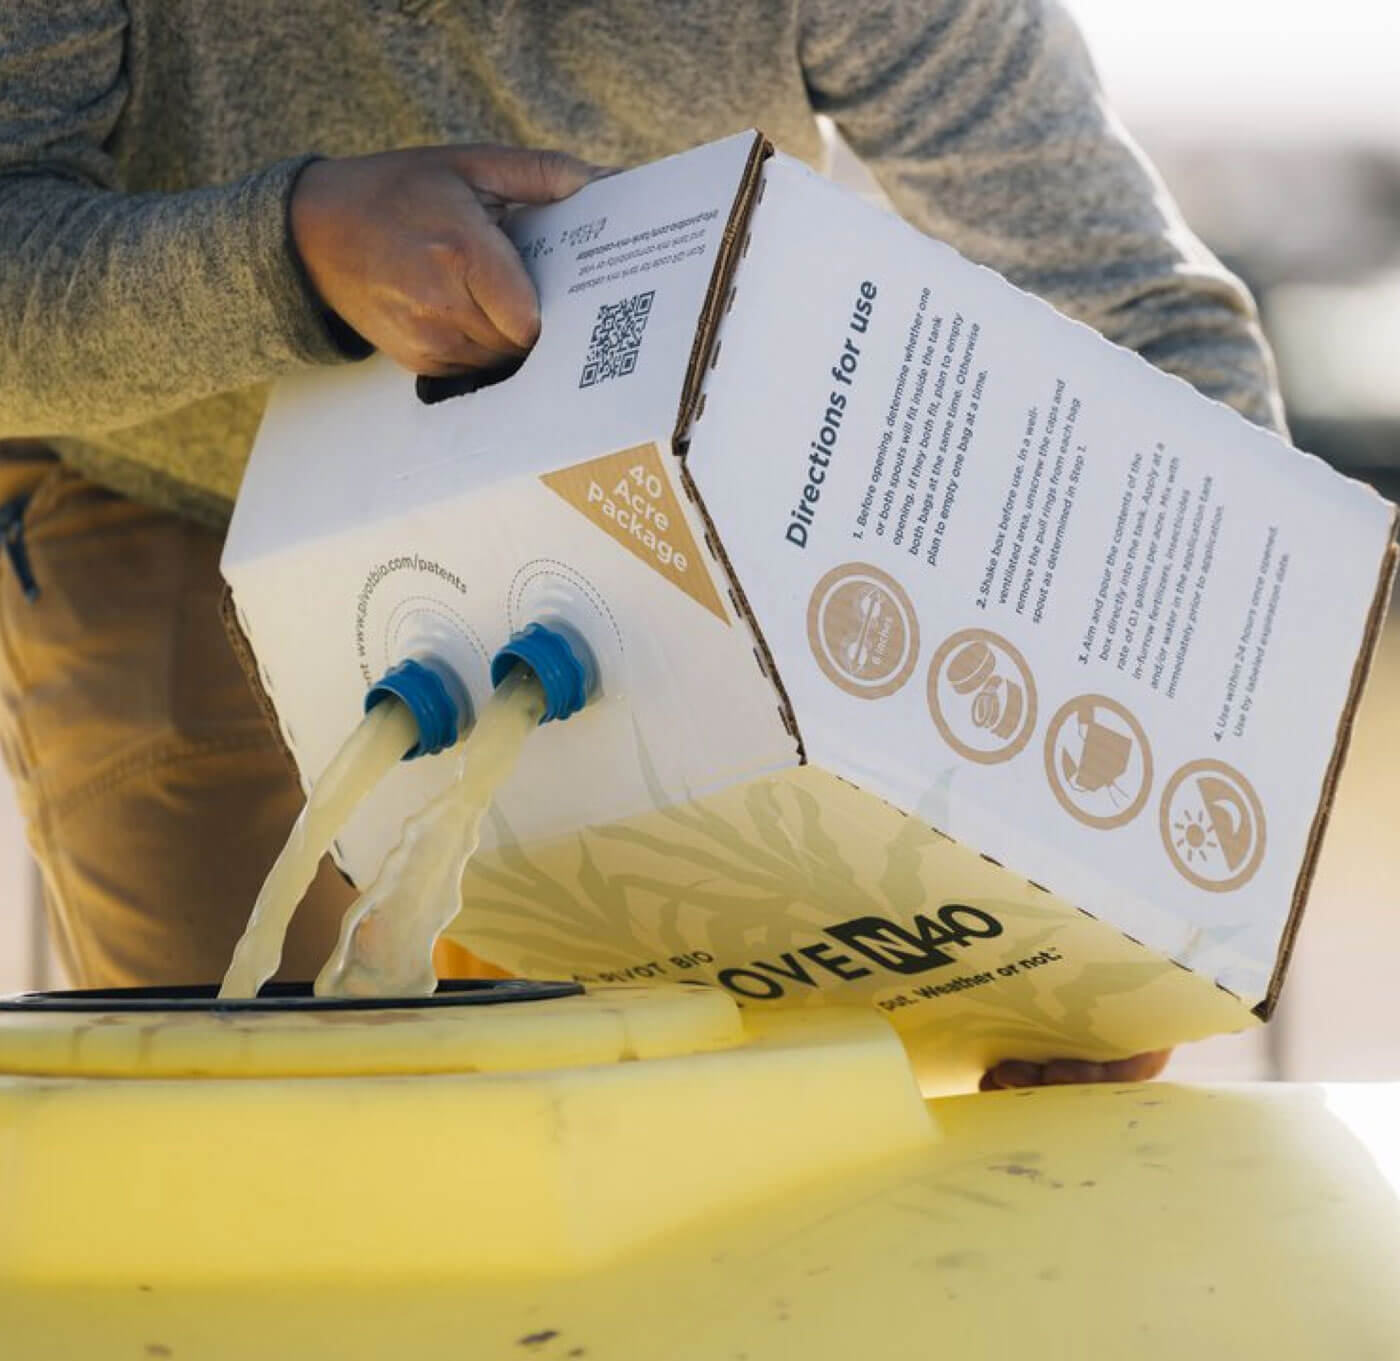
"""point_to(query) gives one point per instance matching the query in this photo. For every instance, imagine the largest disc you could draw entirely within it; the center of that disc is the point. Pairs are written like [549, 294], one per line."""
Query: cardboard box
[953, 657]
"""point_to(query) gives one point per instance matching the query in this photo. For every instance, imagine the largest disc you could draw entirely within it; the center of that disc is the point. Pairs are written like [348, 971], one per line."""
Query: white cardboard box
[953, 657]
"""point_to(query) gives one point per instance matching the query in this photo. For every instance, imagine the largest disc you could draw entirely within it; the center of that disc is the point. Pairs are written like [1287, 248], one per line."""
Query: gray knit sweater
[148, 148]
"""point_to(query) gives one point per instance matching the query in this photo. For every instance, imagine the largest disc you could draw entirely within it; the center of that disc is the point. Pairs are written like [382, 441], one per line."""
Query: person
[196, 198]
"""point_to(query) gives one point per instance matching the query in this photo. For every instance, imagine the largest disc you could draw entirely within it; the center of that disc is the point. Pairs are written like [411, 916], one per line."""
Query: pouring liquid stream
[386, 939]
[371, 751]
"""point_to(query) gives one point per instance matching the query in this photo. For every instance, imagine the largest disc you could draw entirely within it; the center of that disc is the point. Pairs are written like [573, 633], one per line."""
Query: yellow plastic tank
[649, 1172]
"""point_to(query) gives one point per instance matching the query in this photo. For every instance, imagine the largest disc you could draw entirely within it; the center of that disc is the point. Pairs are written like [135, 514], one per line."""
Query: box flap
[1384, 582]
[1145, 575]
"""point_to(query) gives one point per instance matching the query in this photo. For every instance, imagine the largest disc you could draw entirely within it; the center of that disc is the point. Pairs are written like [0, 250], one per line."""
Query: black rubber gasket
[287, 997]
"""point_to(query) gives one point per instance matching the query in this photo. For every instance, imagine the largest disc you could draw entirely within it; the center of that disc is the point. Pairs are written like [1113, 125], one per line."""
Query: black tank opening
[197, 997]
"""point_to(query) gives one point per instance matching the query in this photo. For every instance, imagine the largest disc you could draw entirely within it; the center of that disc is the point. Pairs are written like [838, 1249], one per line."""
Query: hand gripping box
[954, 659]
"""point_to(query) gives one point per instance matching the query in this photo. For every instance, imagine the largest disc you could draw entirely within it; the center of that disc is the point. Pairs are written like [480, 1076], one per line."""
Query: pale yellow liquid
[387, 937]
[369, 753]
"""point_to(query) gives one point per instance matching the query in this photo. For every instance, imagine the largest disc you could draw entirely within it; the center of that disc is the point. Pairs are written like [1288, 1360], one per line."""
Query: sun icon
[1195, 837]
[1212, 825]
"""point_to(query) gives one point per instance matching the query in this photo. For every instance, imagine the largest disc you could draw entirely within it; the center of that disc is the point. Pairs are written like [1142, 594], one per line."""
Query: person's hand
[405, 248]
[1016, 1073]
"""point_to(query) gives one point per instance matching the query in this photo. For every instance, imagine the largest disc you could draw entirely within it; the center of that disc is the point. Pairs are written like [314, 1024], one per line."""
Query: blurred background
[1276, 125]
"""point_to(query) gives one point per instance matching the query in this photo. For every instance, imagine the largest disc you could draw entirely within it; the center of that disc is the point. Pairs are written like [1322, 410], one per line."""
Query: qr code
[616, 340]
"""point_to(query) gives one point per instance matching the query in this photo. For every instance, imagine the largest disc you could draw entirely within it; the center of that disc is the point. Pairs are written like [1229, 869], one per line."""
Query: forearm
[984, 122]
[115, 308]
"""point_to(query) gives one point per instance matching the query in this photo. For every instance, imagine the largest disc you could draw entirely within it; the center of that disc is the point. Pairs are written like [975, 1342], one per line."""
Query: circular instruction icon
[862, 629]
[981, 696]
[1098, 761]
[1212, 825]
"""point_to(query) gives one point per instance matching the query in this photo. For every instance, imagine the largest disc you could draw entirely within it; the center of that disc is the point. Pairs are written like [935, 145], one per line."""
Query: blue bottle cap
[555, 660]
[436, 700]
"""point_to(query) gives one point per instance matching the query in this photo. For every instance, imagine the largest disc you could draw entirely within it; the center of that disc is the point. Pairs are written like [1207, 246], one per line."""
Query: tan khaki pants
[154, 792]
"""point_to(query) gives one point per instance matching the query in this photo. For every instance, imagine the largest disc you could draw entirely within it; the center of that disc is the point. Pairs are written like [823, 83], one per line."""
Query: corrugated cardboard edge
[726, 261]
[1370, 640]
[702, 356]
[248, 663]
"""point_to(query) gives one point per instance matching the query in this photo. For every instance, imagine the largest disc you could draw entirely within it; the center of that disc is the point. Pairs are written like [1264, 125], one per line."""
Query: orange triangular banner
[630, 497]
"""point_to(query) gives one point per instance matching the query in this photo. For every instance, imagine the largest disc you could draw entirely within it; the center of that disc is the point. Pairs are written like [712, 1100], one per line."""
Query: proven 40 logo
[871, 945]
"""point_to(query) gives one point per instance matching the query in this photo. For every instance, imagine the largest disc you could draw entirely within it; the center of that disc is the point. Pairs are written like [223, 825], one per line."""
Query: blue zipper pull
[12, 529]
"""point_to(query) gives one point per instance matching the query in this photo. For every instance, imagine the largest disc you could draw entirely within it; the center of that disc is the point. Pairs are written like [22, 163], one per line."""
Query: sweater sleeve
[984, 122]
[116, 307]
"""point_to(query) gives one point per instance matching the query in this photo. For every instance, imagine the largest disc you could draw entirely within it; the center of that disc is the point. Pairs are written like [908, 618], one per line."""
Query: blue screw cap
[555, 660]
[436, 701]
